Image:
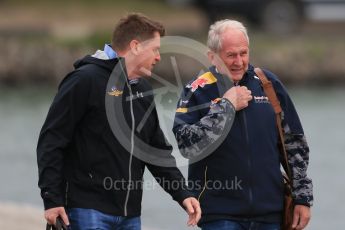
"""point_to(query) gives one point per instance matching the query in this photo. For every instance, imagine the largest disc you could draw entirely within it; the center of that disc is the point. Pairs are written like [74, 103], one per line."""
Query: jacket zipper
[132, 150]
[249, 163]
[249, 159]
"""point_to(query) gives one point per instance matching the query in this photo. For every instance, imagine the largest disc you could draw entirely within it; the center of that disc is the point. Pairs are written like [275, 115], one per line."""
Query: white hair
[216, 30]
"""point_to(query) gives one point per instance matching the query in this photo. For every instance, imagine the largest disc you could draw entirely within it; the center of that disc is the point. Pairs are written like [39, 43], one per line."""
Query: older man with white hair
[240, 185]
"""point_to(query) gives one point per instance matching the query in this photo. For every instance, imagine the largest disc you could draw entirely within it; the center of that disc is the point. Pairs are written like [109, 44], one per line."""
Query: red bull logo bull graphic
[201, 81]
[198, 83]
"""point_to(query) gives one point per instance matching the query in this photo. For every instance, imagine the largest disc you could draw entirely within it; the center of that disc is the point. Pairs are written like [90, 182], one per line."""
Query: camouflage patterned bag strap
[272, 97]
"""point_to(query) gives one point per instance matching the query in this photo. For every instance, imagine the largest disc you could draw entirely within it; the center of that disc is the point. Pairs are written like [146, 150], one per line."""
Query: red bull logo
[200, 82]
[205, 79]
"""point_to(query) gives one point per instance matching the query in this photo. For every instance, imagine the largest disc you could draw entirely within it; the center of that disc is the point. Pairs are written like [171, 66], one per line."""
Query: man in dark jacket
[238, 179]
[87, 175]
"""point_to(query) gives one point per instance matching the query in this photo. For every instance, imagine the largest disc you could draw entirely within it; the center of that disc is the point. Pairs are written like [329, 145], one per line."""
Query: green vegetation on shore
[41, 39]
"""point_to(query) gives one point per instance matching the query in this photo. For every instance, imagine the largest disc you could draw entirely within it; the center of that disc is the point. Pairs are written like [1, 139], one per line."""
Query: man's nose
[238, 60]
[158, 57]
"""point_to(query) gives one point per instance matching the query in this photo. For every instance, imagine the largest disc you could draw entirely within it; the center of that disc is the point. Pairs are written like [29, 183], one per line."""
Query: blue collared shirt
[109, 51]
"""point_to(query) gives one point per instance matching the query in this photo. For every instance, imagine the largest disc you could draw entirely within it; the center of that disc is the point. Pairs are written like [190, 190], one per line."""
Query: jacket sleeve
[297, 149]
[196, 133]
[66, 111]
[169, 176]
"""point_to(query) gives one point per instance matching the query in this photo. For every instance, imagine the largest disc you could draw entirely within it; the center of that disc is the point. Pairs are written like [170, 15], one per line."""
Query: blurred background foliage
[40, 39]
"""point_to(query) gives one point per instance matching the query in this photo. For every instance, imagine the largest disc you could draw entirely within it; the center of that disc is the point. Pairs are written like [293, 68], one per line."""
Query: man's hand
[192, 207]
[239, 97]
[51, 214]
[301, 217]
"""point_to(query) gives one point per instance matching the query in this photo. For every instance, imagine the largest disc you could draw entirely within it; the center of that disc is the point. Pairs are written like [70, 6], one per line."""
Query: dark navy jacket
[82, 163]
[241, 178]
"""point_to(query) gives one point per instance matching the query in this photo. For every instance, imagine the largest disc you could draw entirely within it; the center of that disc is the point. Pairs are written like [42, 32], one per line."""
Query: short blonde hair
[214, 34]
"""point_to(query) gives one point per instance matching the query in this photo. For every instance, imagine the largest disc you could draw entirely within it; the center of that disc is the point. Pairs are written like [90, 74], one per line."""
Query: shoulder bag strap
[272, 97]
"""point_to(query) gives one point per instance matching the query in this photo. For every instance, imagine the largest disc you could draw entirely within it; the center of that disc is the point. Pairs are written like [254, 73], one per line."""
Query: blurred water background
[321, 110]
[41, 39]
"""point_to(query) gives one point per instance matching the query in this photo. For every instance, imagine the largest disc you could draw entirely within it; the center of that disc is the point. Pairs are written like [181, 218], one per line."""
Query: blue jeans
[238, 225]
[90, 219]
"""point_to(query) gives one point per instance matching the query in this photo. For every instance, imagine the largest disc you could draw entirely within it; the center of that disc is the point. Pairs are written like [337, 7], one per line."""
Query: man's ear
[134, 46]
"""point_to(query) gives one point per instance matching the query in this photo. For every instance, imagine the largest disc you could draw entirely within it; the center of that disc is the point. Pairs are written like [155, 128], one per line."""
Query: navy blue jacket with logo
[240, 177]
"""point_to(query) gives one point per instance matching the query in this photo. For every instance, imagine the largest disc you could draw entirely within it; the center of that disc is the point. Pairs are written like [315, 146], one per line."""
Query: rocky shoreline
[40, 40]
[40, 61]
[34, 62]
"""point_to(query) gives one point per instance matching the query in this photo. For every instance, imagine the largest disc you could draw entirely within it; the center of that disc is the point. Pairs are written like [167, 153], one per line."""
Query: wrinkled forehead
[233, 37]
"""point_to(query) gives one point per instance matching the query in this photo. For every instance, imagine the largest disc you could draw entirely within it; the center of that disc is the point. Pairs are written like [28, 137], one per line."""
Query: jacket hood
[108, 64]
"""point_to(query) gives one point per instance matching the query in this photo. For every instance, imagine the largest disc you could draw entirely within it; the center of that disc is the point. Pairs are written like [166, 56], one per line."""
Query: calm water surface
[322, 110]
